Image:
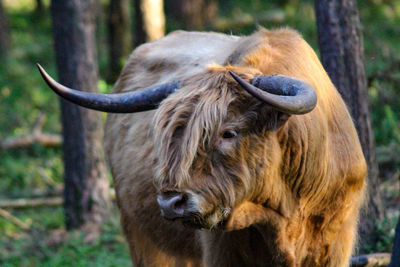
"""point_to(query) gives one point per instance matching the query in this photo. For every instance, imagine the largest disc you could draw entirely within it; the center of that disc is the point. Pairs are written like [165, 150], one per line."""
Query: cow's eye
[229, 134]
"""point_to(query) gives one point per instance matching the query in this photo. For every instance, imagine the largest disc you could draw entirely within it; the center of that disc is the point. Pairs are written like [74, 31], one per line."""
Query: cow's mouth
[211, 221]
[198, 221]
[194, 220]
[192, 210]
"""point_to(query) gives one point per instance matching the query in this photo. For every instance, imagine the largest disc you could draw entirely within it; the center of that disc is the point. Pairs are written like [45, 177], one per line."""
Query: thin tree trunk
[4, 34]
[39, 6]
[149, 20]
[342, 54]
[86, 194]
[395, 260]
[118, 26]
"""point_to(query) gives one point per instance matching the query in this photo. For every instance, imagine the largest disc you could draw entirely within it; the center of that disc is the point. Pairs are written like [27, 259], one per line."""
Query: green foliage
[381, 20]
[298, 15]
[384, 231]
[23, 96]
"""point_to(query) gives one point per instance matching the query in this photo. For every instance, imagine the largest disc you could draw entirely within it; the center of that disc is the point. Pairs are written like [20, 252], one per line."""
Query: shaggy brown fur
[285, 191]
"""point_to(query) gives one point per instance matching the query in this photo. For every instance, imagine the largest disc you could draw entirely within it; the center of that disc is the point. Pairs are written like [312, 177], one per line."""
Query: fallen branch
[36, 137]
[14, 219]
[44, 139]
[371, 260]
[30, 202]
[55, 191]
[37, 202]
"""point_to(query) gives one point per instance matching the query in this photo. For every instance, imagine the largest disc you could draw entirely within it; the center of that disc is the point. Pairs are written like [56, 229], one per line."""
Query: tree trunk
[342, 54]
[4, 35]
[86, 193]
[118, 27]
[194, 14]
[149, 20]
[395, 260]
[39, 6]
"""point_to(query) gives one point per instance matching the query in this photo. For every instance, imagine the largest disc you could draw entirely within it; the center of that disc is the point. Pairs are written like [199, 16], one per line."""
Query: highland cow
[250, 158]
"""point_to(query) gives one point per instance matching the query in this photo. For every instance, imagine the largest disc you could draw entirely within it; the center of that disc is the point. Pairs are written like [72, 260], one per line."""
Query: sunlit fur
[286, 191]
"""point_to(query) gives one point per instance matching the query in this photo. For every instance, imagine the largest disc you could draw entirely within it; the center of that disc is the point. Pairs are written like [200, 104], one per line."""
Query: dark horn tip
[237, 78]
[42, 71]
[39, 67]
[234, 75]
[50, 81]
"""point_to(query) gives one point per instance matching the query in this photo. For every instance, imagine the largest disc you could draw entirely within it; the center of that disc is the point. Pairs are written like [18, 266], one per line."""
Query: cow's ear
[277, 119]
[269, 119]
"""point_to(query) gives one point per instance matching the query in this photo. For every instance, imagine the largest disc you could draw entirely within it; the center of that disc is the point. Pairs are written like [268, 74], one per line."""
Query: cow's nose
[173, 204]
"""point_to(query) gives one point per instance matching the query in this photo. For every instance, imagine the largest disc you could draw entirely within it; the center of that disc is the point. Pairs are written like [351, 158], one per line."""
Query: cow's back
[174, 57]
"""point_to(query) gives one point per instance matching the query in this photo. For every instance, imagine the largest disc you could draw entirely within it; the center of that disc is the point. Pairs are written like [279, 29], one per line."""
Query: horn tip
[232, 73]
[40, 68]
[235, 76]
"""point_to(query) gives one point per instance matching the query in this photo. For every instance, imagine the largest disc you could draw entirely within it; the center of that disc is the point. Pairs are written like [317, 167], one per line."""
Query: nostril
[181, 203]
[173, 204]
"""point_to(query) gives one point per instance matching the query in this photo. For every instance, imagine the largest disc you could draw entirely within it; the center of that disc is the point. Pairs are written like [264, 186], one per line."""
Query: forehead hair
[186, 122]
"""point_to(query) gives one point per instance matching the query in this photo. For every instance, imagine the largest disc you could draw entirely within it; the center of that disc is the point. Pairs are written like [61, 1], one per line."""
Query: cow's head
[216, 143]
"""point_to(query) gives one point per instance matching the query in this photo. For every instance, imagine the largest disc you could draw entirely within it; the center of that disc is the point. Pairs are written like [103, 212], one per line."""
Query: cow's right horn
[129, 102]
[286, 94]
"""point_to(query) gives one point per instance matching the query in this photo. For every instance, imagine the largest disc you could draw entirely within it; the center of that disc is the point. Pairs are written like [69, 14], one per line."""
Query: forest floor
[47, 243]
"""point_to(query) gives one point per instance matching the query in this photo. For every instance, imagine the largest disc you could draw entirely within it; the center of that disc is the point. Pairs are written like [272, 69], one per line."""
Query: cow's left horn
[129, 102]
[284, 93]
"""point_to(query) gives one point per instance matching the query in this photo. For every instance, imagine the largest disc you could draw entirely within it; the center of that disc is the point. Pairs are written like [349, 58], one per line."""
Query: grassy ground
[23, 96]
[48, 244]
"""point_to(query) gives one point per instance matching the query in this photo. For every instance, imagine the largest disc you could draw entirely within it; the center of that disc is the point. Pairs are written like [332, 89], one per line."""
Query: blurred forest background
[32, 224]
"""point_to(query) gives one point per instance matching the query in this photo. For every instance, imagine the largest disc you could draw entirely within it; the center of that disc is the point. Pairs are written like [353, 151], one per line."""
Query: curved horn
[129, 102]
[285, 94]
